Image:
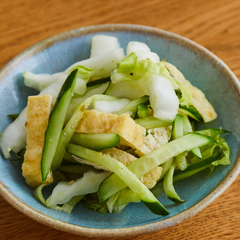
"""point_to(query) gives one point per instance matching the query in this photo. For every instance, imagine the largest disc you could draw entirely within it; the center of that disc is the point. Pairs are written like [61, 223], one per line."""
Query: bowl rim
[127, 231]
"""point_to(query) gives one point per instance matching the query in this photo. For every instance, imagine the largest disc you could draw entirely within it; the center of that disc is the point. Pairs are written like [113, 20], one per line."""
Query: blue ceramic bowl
[198, 65]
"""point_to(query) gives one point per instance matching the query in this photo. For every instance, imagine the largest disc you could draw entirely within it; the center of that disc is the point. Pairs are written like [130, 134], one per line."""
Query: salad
[113, 129]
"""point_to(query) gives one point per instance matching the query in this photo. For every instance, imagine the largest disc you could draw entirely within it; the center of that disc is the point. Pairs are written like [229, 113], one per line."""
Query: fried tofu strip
[131, 134]
[156, 138]
[94, 121]
[199, 100]
[38, 112]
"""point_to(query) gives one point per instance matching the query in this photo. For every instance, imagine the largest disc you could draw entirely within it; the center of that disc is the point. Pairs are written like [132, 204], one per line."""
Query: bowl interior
[199, 66]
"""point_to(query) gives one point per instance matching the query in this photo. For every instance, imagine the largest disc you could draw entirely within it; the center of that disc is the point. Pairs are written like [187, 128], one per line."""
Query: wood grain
[212, 23]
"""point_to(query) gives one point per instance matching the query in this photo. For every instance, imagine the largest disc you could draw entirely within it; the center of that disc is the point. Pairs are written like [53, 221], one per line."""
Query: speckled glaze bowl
[198, 65]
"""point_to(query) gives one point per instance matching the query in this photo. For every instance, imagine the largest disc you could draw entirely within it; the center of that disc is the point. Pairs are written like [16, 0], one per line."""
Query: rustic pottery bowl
[198, 65]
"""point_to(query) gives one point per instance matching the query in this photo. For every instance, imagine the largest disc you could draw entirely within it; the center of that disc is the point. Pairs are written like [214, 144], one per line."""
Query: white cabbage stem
[65, 191]
[102, 44]
[103, 65]
[162, 97]
[142, 51]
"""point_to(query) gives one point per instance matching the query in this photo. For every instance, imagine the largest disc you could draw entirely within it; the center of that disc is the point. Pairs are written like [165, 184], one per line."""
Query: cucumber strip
[187, 126]
[168, 185]
[165, 167]
[99, 81]
[109, 88]
[196, 167]
[111, 201]
[75, 168]
[177, 130]
[38, 193]
[59, 176]
[120, 200]
[56, 122]
[205, 154]
[181, 160]
[129, 178]
[13, 116]
[158, 189]
[152, 122]
[132, 106]
[197, 152]
[69, 158]
[145, 164]
[96, 141]
[70, 127]
[142, 111]
[191, 112]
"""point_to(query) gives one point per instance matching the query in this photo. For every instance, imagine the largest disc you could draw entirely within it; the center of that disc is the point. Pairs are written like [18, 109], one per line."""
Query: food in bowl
[114, 129]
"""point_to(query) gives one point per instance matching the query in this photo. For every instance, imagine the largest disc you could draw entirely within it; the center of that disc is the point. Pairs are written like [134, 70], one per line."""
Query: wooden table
[211, 23]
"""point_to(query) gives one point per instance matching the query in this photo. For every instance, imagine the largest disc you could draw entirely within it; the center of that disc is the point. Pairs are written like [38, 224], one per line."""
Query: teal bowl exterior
[201, 67]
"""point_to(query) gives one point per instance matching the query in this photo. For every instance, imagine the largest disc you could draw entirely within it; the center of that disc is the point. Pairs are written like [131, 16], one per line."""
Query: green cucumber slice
[187, 126]
[56, 122]
[191, 112]
[192, 169]
[96, 141]
[142, 111]
[120, 200]
[168, 185]
[177, 130]
[152, 122]
[196, 167]
[145, 164]
[99, 81]
[180, 161]
[75, 168]
[166, 166]
[197, 152]
[129, 178]
[13, 116]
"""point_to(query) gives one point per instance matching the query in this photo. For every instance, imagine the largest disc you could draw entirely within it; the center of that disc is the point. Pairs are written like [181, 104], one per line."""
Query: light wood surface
[212, 23]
